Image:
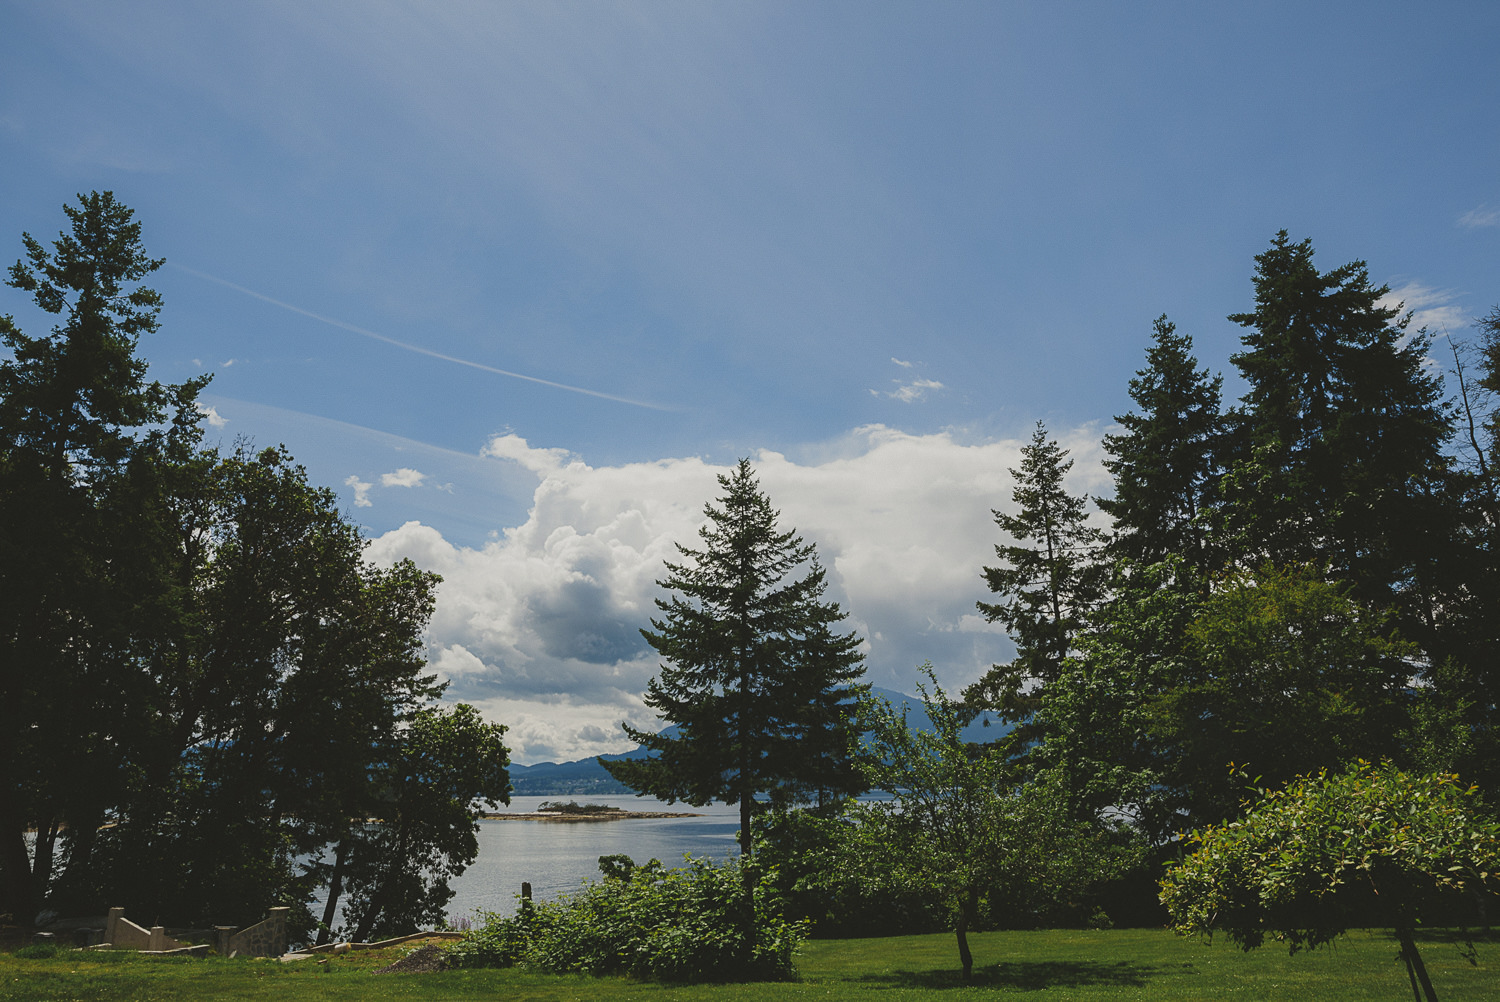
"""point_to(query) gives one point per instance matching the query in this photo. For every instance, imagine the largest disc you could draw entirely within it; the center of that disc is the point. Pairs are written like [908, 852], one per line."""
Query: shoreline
[611, 815]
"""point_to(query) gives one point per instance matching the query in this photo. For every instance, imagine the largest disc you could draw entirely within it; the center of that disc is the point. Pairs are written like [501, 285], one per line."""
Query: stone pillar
[221, 939]
[158, 940]
[278, 929]
[112, 923]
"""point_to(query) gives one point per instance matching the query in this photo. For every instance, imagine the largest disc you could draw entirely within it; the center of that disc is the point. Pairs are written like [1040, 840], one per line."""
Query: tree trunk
[17, 897]
[965, 958]
[1415, 969]
[335, 889]
[42, 855]
[367, 921]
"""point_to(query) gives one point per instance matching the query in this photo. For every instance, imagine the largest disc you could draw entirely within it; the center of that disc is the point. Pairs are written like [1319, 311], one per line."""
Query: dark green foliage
[1049, 579]
[1461, 711]
[756, 677]
[74, 408]
[1288, 673]
[680, 925]
[1101, 736]
[1164, 462]
[440, 772]
[204, 681]
[824, 869]
[1337, 450]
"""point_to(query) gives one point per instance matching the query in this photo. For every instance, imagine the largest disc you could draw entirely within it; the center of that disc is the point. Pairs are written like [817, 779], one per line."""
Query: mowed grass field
[1041, 966]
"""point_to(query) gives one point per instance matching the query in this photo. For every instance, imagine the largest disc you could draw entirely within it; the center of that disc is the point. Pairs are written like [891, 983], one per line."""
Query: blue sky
[867, 244]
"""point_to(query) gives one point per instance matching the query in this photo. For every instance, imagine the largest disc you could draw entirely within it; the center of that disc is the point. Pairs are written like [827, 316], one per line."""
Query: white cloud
[908, 391]
[404, 477]
[1484, 215]
[214, 418]
[1431, 308]
[540, 626]
[361, 490]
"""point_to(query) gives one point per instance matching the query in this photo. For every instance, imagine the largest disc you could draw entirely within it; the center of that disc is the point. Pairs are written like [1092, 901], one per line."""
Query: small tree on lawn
[1370, 846]
[955, 822]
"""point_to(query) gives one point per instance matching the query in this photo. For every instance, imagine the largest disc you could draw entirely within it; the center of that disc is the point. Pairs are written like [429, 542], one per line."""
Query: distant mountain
[586, 777]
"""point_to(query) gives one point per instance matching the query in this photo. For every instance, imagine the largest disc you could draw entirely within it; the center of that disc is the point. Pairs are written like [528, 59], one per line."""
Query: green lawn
[1039, 966]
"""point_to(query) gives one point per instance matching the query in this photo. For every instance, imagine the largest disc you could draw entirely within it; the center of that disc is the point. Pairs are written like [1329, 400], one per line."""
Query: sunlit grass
[1043, 966]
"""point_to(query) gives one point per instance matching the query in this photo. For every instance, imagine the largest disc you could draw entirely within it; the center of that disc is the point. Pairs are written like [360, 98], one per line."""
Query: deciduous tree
[1367, 845]
[956, 820]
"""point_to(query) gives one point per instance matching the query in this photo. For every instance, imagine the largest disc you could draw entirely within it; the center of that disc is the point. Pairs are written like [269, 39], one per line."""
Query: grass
[1045, 966]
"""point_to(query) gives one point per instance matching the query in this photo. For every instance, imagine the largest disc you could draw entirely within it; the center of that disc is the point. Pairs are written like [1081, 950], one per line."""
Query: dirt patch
[428, 959]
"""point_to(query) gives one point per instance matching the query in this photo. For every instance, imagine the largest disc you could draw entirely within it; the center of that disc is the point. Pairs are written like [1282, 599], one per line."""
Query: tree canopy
[201, 665]
[1368, 845]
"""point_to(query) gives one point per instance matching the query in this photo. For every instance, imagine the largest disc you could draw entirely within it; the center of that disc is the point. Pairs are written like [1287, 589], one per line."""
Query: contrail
[415, 348]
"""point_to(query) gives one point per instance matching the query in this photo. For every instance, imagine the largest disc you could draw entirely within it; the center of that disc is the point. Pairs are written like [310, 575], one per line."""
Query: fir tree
[1164, 462]
[1338, 445]
[757, 678]
[1049, 578]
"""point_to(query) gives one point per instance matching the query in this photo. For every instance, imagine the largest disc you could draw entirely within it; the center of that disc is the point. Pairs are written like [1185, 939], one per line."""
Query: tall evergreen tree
[757, 678]
[1338, 444]
[73, 407]
[1049, 579]
[1164, 463]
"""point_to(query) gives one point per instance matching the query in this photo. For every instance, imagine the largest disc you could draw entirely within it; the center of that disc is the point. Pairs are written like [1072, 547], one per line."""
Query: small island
[574, 811]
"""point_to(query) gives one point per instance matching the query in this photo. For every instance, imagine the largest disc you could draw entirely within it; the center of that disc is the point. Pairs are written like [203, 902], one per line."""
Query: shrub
[37, 951]
[684, 924]
[822, 871]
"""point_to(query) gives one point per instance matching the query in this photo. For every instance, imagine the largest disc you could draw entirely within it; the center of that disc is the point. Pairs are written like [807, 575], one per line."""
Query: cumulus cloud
[1484, 215]
[540, 627]
[1431, 308]
[361, 490]
[214, 418]
[404, 477]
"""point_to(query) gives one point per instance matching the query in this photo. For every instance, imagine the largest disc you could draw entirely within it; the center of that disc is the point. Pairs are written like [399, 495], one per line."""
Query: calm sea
[556, 857]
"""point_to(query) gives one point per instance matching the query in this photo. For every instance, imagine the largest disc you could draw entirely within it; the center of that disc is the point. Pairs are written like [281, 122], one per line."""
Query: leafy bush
[824, 870]
[683, 924]
[37, 951]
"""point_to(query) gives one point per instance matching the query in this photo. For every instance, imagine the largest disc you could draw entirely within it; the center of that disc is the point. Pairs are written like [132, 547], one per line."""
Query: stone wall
[267, 938]
[120, 932]
[264, 939]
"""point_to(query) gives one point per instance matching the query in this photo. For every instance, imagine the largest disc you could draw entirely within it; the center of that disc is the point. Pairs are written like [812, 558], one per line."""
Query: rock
[424, 960]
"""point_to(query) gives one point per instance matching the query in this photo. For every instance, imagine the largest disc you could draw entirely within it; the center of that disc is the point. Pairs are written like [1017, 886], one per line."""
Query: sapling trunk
[1415, 969]
[965, 910]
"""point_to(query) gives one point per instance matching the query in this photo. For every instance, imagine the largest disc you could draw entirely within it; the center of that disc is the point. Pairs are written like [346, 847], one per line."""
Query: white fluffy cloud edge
[540, 628]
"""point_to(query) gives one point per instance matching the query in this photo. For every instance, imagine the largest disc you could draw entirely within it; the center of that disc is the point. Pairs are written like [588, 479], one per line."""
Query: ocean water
[557, 857]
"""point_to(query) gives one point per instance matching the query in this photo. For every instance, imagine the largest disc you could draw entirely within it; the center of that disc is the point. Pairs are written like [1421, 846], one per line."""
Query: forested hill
[586, 776]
